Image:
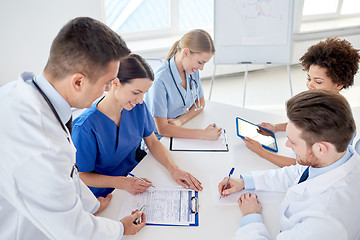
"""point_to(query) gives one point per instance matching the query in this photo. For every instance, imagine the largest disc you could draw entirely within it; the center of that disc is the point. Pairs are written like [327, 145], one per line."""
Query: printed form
[163, 205]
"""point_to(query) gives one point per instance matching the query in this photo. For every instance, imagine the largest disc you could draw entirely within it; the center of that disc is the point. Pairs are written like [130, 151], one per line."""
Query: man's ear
[77, 81]
[321, 149]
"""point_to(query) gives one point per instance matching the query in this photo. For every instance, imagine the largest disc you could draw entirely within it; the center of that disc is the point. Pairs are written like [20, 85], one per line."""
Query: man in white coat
[42, 196]
[323, 189]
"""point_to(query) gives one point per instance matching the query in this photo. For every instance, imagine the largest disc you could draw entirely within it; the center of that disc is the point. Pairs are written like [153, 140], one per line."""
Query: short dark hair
[134, 66]
[84, 45]
[337, 56]
[322, 115]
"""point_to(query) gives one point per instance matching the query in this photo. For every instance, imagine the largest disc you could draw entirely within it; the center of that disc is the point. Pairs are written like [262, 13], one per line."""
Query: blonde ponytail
[197, 41]
[173, 50]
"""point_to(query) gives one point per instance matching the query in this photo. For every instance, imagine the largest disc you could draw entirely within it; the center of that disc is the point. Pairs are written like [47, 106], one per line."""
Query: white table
[215, 221]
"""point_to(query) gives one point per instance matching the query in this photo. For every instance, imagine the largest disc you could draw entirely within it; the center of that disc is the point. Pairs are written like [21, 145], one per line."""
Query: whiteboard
[253, 31]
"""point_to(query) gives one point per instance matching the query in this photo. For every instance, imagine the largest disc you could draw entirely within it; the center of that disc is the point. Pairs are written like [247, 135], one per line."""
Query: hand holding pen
[131, 224]
[227, 181]
[135, 185]
[230, 185]
[141, 179]
[138, 220]
[211, 132]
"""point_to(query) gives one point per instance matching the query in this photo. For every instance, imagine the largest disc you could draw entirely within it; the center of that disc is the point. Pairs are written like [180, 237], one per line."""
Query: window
[130, 16]
[320, 15]
[196, 14]
[321, 9]
[350, 7]
[152, 24]
[158, 18]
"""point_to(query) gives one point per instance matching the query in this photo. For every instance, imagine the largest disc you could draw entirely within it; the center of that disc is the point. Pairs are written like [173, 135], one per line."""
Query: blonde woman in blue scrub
[177, 95]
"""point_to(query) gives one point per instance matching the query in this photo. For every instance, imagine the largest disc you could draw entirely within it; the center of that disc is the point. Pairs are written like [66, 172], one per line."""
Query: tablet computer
[265, 137]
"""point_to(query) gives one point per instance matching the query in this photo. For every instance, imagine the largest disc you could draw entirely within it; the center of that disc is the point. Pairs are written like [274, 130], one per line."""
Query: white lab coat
[38, 198]
[324, 207]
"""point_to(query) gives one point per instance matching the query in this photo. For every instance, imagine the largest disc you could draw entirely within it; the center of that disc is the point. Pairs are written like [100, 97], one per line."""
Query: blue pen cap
[231, 171]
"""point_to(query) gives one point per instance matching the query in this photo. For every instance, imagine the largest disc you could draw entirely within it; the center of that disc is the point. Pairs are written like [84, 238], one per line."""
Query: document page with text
[163, 205]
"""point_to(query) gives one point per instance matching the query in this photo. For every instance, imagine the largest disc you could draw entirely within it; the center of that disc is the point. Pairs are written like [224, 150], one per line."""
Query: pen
[225, 138]
[187, 184]
[231, 172]
[132, 175]
[142, 209]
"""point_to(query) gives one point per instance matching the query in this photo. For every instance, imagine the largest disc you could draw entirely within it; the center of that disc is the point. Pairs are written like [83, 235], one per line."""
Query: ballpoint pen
[132, 175]
[231, 172]
[184, 181]
[142, 209]
[225, 138]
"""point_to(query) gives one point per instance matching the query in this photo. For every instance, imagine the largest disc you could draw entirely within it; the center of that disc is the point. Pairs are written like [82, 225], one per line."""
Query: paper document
[164, 206]
[182, 144]
[233, 198]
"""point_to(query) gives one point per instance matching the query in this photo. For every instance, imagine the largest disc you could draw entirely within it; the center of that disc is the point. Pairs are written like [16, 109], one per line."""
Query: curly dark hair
[339, 58]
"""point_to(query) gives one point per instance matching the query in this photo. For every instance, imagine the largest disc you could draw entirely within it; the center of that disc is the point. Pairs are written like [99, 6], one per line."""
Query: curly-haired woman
[330, 65]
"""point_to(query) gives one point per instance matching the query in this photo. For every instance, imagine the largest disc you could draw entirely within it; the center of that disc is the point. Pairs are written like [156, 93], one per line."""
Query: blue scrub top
[163, 98]
[103, 147]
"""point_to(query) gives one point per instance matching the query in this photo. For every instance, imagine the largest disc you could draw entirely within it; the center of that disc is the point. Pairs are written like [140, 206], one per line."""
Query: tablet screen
[251, 130]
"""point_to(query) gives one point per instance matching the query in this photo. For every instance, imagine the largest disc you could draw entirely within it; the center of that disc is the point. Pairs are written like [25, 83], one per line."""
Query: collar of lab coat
[61, 106]
[324, 181]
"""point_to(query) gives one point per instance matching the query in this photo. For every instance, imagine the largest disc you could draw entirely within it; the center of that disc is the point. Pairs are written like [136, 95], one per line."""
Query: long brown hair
[197, 41]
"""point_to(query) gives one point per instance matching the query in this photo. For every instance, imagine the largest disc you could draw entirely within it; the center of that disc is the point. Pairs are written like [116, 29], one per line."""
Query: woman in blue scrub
[177, 95]
[107, 136]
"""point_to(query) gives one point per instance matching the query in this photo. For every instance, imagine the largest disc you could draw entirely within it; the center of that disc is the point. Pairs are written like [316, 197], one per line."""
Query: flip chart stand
[245, 81]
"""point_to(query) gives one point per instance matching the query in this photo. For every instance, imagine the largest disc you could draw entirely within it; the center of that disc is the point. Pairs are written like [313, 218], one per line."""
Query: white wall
[28, 28]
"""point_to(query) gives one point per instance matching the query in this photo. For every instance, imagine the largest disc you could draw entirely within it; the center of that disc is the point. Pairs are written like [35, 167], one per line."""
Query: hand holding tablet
[264, 136]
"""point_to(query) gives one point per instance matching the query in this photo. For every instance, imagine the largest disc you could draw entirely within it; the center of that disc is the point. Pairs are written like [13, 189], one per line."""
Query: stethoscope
[194, 89]
[75, 168]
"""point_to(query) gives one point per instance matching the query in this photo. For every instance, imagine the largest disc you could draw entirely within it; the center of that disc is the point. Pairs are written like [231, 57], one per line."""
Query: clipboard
[181, 208]
[193, 208]
[199, 145]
